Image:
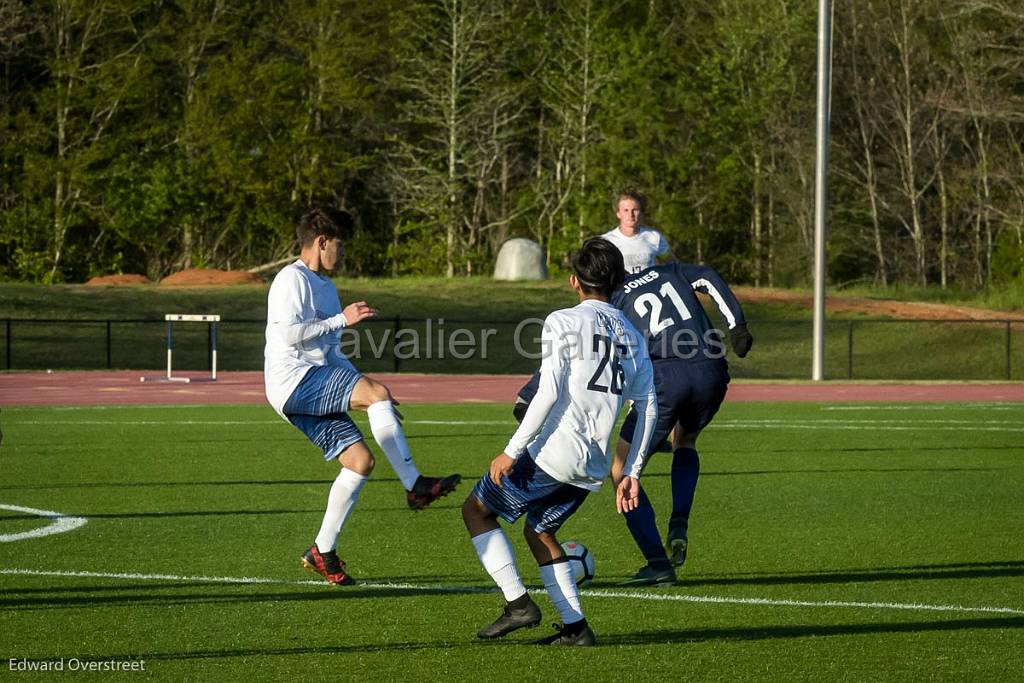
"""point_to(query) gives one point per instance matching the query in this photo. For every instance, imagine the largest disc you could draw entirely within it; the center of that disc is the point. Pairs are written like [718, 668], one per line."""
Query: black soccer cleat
[326, 565]
[649, 575]
[428, 489]
[676, 544]
[512, 619]
[578, 634]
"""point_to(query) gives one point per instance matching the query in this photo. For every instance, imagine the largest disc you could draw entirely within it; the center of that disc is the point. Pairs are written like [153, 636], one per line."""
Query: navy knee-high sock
[685, 470]
[644, 528]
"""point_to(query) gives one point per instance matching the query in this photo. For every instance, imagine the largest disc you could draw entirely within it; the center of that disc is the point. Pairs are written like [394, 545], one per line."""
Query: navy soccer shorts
[528, 489]
[529, 390]
[688, 393]
[319, 408]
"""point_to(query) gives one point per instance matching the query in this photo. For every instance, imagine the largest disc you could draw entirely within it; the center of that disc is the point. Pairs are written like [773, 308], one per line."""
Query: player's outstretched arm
[706, 279]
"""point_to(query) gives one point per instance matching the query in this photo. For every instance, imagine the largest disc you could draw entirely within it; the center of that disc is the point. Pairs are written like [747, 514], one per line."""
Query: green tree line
[154, 135]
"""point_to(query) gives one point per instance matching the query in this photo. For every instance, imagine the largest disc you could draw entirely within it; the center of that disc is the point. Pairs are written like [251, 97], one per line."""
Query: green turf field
[829, 542]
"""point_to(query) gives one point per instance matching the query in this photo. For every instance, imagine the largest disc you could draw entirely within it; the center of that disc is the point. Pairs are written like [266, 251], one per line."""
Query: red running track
[124, 387]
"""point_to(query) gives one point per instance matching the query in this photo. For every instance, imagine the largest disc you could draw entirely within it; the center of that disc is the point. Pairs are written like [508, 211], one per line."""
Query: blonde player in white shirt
[310, 383]
[594, 360]
[641, 247]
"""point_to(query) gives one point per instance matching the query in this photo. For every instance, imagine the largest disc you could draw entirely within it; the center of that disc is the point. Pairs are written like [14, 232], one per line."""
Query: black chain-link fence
[863, 349]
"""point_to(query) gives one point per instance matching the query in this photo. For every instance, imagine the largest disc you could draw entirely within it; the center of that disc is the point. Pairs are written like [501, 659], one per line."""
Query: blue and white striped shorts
[319, 407]
[528, 489]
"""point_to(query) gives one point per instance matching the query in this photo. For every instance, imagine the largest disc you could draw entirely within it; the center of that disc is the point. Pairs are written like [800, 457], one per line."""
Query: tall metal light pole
[821, 186]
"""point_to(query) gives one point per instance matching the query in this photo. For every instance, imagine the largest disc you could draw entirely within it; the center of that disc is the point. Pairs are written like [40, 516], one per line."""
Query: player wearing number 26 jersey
[593, 360]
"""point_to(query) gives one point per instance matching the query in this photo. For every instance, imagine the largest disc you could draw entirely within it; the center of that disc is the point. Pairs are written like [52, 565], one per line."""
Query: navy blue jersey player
[691, 377]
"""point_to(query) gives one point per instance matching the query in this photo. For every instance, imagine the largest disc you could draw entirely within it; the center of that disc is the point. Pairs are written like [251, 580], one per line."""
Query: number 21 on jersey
[648, 304]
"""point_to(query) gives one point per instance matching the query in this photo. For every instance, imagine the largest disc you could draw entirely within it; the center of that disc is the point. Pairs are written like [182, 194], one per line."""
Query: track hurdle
[172, 318]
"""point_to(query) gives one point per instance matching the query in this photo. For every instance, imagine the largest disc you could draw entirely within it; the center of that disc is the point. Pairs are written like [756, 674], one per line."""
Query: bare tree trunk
[452, 116]
[943, 229]
[585, 106]
[771, 238]
[979, 269]
[65, 84]
[755, 219]
[700, 246]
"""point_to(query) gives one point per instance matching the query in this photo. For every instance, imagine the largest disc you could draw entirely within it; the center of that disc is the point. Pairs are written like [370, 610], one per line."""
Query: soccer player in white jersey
[641, 247]
[594, 360]
[310, 383]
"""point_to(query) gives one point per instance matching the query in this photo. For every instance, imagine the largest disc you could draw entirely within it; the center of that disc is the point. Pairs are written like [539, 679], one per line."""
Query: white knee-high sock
[389, 436]
[561, 586]
[495, 553]
[340, 501]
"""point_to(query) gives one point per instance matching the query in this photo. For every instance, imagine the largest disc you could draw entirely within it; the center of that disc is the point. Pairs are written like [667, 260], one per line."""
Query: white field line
[589, 593]
[864, 427]
[950, 405]
[237, 422]
[906, 420]
[930, 406]
[765, 421]
[875, 425]
[146, 423]
[58, 523]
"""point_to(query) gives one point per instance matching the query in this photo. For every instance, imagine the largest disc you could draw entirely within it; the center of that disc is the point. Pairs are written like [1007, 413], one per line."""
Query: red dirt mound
[210, 278]
[120, 279]
[913, 310]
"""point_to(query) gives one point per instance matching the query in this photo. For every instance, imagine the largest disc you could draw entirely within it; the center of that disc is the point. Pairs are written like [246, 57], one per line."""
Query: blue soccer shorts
[319, 408]
[527, 489]
[688, 393]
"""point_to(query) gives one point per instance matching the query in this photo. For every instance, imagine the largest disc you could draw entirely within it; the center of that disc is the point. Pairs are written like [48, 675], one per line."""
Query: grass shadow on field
[974, 570]
[194, 513]
[397, 509]
[134, 598]
[668, 637]
[369, 648]
[831, 470]
[696, 635]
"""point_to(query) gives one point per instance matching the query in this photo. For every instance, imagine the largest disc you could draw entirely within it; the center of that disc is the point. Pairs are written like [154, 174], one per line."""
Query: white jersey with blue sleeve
[304, 321]
[594, 360]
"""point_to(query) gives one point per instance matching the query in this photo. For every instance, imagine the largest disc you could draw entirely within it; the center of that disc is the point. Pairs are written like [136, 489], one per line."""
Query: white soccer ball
[582, 561]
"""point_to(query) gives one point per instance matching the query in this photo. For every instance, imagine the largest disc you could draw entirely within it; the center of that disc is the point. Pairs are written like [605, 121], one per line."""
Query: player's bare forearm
[500, 467]
[619, 461]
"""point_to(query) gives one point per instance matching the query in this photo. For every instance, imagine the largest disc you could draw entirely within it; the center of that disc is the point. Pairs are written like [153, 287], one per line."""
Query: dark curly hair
[326, 221]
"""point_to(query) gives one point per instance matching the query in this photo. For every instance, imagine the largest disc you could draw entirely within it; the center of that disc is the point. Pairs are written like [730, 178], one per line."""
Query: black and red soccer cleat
[326, 565]
[428, 489]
